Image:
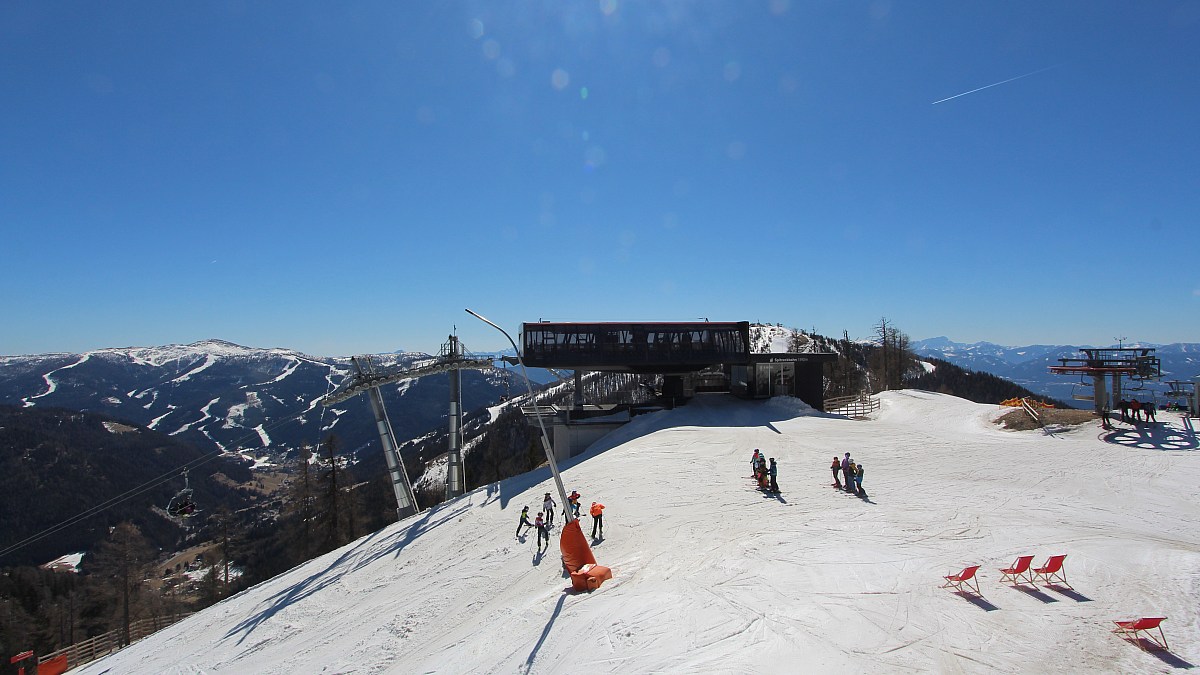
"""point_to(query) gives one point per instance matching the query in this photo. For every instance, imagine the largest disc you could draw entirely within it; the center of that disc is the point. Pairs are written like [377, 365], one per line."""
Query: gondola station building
[691, 357]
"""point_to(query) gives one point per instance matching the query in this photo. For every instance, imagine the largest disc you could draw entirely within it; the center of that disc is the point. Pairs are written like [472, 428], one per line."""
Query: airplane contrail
[997, 84]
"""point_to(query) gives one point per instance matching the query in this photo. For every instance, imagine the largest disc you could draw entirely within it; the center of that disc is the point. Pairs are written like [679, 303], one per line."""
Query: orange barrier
[575, 550]
[55, 666]
[1016, 403]
[577, 557]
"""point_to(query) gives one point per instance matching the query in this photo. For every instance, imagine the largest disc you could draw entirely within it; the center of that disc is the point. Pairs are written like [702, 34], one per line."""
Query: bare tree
[123, 559]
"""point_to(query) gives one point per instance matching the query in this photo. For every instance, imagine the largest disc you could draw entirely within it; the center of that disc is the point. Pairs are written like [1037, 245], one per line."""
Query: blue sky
[344, 178]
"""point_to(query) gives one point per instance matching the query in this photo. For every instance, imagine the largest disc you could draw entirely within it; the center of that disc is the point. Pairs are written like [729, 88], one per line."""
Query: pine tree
[123, 559]
[330, 488]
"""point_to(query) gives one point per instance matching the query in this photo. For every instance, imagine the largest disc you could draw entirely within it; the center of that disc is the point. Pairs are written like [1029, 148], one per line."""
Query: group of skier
[1135, 408]
[764, 473]
[851, 472]
[543, 522]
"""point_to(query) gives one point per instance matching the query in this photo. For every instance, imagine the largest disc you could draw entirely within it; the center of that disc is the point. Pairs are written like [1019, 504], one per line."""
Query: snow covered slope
[713, 576]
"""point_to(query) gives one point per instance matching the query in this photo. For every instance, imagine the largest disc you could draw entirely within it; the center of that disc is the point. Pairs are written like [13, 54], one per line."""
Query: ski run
[713, 576]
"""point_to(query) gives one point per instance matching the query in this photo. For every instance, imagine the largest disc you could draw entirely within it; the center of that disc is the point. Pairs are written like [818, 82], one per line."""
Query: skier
[1135, 407]
[573, 503]
[1149, 410]
[597, 512]
[548, 505]
[846, 473]
[754, 463]
[773, 472]
[524, 521]
[858, 476]
[1105, 422]
[542, 532]
[852, 473]
[836, 466]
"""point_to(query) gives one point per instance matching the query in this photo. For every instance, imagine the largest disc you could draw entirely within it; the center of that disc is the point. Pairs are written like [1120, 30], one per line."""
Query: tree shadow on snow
[545, 632]
[354, 556]
[977, 600]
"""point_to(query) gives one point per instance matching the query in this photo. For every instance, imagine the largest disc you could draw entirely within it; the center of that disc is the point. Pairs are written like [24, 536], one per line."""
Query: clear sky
[343, 178]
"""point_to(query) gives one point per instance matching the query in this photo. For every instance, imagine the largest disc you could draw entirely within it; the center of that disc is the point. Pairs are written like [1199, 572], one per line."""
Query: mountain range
[219, 396]
[1029, 366]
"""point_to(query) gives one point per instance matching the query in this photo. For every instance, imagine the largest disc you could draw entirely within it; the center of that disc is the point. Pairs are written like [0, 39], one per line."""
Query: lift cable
[144, 487]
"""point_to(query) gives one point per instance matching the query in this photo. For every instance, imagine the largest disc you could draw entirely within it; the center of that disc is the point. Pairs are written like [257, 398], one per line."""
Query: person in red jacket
[542, 532]
[597, 519]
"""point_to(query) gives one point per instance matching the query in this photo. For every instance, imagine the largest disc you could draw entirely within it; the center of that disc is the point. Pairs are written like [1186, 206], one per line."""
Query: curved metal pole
[562, 492]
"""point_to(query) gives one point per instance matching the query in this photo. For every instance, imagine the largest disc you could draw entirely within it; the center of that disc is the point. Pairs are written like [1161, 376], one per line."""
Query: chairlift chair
[181, 505]
[1083, 392]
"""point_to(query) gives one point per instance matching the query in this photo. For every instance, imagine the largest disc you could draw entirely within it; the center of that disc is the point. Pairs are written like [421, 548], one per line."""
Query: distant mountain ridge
[1029, 366]
[222, 396]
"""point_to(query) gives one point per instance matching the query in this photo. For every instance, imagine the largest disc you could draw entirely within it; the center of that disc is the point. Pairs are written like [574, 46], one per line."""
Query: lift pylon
[366, 380]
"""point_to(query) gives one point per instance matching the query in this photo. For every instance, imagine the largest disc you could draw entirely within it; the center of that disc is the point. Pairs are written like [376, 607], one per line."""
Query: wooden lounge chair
[1052, 572]
[1133, 630]
[1018, 571]
[963, 578]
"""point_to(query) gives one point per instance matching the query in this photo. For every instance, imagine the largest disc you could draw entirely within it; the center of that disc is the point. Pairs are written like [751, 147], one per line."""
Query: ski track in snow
[51, 385]
[209, 360]
[711, 575]
[207, 415]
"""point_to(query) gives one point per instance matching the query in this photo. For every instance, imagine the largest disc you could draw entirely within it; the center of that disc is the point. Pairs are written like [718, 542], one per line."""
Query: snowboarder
[542, 532]
[597, 512]
[858, 476]
[773, 471]
[836, 466]
[524, 521]
[548, 505]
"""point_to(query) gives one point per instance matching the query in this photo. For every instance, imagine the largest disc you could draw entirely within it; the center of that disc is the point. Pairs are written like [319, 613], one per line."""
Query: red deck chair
[963, 578]
[1132, 630]
[1052, 572]
[1018, 571]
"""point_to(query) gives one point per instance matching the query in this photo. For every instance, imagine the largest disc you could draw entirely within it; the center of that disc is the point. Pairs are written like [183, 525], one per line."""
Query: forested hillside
[56, 464]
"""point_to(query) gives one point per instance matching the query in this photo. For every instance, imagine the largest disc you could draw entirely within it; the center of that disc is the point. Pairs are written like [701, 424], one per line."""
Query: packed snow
[711, 575]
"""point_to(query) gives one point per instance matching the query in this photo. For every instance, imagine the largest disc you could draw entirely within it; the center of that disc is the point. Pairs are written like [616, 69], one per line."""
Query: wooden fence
[855, 407]
[102, 645]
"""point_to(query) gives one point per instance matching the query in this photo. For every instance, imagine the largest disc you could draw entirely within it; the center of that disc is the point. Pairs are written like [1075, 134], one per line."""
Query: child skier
[573, 503]
[524, 521]
[773, 471]
[836, 466]
[541, 528]
[858, 482]
[548, 505]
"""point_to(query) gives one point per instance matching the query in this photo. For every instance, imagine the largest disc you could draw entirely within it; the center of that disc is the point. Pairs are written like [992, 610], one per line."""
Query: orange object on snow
[597, 509]
[575, 550]
[577, 557]
[591, 579]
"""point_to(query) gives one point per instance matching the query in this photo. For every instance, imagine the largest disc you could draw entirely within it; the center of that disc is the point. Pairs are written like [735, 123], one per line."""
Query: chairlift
[1083, 392]
[181, 505]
